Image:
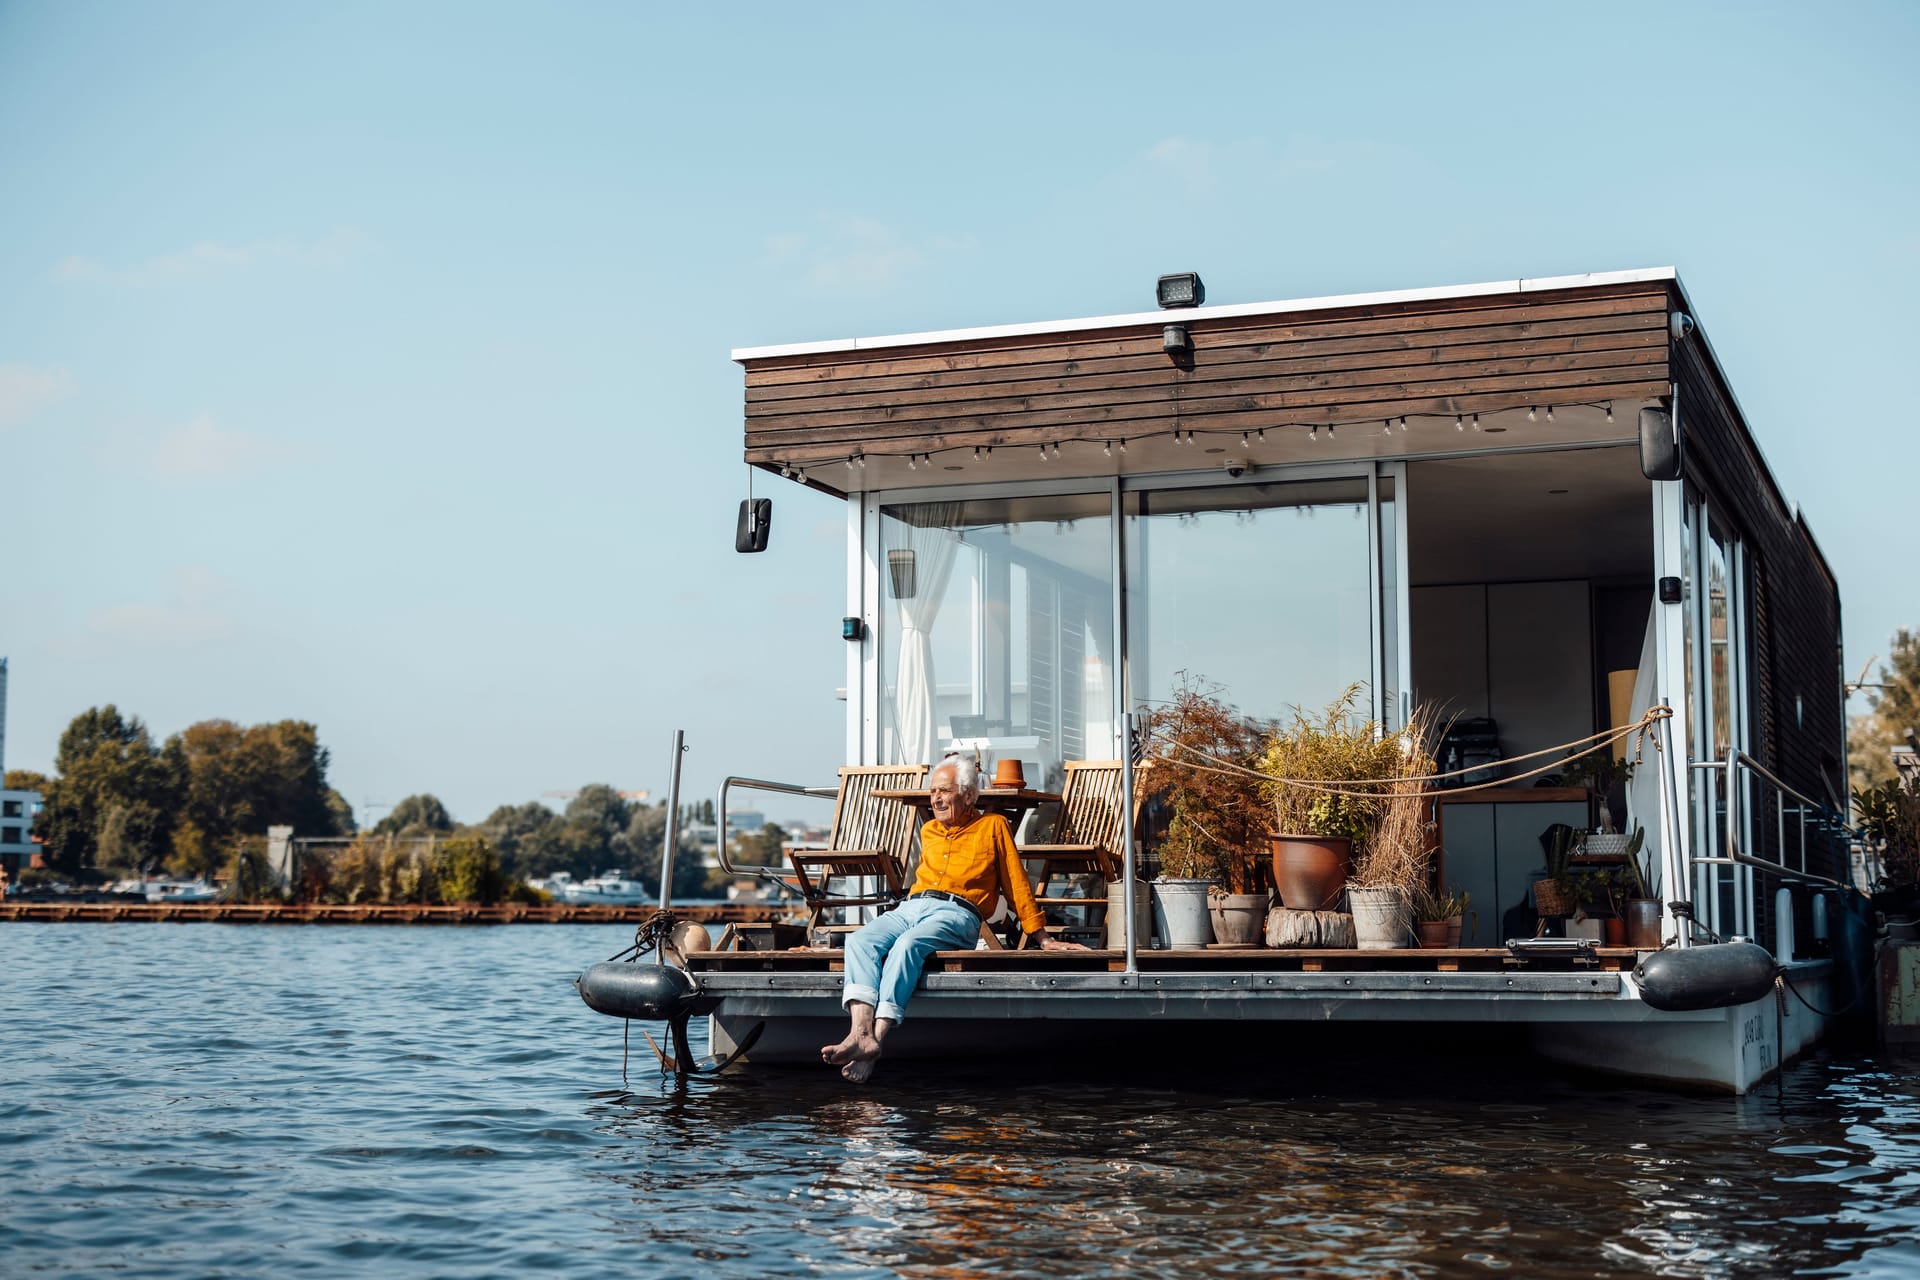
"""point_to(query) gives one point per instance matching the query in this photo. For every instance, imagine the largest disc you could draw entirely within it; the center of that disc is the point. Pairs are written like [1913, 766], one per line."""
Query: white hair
[966, 774]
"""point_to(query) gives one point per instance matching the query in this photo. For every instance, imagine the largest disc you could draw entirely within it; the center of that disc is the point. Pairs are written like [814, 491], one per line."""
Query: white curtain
[929, 534]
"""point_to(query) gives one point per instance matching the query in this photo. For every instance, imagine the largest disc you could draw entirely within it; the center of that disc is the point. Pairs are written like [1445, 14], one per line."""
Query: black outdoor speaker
[1660, 451]
[751, 533]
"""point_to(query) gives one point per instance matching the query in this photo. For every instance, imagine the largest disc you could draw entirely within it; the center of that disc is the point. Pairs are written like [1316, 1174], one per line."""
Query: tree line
[200, 802]
[121, 801]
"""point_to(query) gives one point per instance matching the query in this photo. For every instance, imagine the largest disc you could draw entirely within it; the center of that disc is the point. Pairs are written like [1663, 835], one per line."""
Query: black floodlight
[1183, 290]
[756, 518]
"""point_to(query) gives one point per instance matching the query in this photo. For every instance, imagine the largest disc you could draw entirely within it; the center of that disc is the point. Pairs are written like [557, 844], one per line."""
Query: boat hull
[1591, 1020]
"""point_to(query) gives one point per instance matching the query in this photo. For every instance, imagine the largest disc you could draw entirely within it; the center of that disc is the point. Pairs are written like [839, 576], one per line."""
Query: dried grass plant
[1396, 854]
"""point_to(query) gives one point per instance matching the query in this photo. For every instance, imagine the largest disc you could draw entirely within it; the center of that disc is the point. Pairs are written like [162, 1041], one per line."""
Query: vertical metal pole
[1128, 871]
[1675, 871]
[673, 820]
[1742, 905]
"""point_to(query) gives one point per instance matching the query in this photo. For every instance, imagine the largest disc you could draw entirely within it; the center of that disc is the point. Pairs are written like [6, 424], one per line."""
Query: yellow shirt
[979, 862]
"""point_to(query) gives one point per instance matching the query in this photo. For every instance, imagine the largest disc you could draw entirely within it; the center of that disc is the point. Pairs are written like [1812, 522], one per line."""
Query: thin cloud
[203, 448]
[26, 389]
[858, 253]
[212, 258]
[193, 612]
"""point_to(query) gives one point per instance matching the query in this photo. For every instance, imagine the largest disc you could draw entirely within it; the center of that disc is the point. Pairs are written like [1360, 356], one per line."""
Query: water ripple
[437, 1101]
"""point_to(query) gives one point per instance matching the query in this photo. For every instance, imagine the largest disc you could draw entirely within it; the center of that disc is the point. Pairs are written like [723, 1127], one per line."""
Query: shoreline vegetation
[120, 806]
[64, 909]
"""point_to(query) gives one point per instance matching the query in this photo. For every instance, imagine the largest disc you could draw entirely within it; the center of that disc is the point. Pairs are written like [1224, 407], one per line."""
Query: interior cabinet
[1490, 848]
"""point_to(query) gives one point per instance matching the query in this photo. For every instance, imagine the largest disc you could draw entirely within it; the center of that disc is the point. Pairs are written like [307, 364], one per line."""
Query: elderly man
[967, 860]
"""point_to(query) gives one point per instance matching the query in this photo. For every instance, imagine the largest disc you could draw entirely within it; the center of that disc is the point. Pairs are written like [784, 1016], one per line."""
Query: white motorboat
[167, 890]
[610, 887]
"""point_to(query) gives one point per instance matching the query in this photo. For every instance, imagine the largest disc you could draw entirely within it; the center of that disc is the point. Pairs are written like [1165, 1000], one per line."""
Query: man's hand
[1049, 943]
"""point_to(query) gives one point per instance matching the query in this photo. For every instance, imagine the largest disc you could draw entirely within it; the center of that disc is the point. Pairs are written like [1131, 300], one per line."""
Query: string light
[861, 458]
[913, 463]
[1246, 441]
[1043, 453]
[1056, 448]
[1530, 417]
[1123, 445]
[1609, 411]
[1329, 431]
[1459, 423]
[849, 464]
[1476, 422]
[1313, 434]
[1107, 448]
[1261, 435]
[1386, 426]
[1403, 422]
[1549, 413]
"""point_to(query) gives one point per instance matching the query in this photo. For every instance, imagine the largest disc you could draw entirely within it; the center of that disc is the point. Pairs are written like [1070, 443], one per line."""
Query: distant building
[17, 812]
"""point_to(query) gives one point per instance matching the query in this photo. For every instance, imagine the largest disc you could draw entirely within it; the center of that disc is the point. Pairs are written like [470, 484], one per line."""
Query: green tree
[761, 848]
[240, 781]
[526, 836]
[112, 781]
[415, 816]
[467, 869]
[1893, 712]
[24, 780]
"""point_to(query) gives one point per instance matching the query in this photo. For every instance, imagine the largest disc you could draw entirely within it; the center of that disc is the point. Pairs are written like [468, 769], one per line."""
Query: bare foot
[836, 1055]
[866, 1052]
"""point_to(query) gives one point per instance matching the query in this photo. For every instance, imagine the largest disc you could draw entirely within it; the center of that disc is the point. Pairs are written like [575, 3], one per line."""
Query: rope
[1591, 742]
[1780, 980]
[652, 932]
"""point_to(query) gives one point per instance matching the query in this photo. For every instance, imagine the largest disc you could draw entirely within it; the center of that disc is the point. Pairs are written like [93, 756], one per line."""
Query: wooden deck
[316, 913]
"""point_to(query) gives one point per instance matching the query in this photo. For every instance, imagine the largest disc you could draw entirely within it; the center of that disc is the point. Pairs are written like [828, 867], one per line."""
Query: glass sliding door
[1716, 672]
[1267, 589]
[997, 630]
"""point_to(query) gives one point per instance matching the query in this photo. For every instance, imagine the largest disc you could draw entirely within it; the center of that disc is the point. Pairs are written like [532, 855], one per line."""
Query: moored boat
[1535, 503]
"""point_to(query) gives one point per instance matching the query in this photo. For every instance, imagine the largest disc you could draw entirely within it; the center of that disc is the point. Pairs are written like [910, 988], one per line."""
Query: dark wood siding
[1459, 355]
[1795, 701]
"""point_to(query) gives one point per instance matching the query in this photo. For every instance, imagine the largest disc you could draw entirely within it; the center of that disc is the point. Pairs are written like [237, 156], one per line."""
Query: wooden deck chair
[1087, 837]
[870, 845]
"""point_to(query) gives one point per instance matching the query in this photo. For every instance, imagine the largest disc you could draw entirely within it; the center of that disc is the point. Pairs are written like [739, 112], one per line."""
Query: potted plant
[1606, 777]
[1392, 862]
[1557, 895]
[1203, 751]
[1189, 864]
[1438, 915]
[1319, 771]
[1640, 907]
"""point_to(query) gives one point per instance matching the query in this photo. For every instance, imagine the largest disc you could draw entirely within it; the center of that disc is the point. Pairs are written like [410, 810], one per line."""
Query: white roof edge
[1590, 280]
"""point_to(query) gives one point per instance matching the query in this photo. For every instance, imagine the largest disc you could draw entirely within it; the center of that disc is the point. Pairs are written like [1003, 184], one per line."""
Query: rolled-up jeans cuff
[854, 992]
[890, 1011]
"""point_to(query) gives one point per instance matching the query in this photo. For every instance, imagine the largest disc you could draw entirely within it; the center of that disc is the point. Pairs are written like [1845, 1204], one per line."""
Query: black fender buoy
[1717, 975]
[622, 989]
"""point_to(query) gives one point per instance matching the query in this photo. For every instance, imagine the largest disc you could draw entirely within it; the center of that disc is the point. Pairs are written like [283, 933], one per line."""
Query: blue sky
[368, 364]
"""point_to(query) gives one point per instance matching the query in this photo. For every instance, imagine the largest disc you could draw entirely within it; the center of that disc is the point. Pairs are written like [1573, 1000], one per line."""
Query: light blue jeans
[885, 957]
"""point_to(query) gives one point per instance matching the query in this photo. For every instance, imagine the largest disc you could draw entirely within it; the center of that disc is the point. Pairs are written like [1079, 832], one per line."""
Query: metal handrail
[757, 784]
[1735, 856]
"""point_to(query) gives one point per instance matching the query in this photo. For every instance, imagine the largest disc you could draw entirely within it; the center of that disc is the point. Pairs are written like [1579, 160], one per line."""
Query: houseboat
[1535, 505]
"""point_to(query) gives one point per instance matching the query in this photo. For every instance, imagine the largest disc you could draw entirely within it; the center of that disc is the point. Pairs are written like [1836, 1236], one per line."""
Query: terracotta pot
[1310, 871]
[1643, 923]
[1616, 929]
[1439, 933]
[1238, 917]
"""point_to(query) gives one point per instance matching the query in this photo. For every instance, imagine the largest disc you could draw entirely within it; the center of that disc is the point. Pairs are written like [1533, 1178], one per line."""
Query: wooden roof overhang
[1101, 397]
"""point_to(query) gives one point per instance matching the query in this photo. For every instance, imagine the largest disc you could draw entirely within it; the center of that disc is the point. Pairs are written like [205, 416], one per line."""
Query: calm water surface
[192, 1100]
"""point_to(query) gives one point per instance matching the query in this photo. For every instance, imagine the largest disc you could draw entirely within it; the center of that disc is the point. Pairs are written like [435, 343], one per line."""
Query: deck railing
[1799, 830]
[773, 874]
